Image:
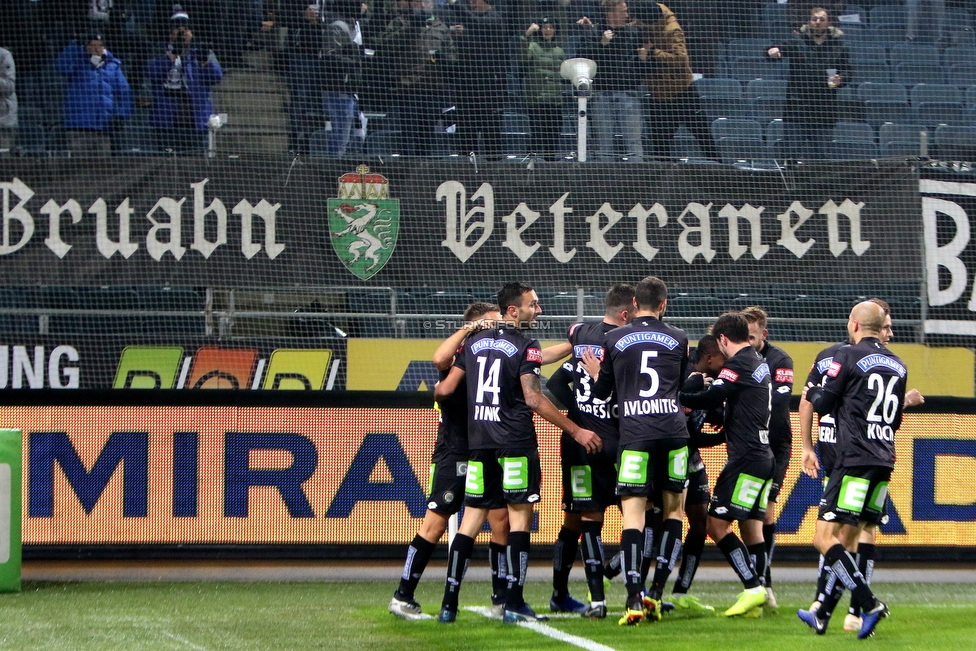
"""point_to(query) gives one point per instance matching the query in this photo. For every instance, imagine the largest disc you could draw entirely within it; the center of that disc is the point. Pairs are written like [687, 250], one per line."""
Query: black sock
[418, 554]
[518, 561]
[457, 564]
[593, 559]
[757, 556]
[832, 594]
[498, 563]
[738, 557]
[563, 557]
[822, 581]
[866, 553]
[769, 535]
[647, 553]
[693, 548]
[670, 547]
[631, 541]
[841, 563]
[613, 568]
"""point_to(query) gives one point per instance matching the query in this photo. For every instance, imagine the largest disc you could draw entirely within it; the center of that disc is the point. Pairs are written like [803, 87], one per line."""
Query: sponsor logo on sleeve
[728, 374]
[784, 376]
[533, 355]
[833, 370]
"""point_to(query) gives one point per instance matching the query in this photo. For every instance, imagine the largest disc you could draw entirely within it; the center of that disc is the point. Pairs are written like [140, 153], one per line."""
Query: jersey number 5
[648, 370]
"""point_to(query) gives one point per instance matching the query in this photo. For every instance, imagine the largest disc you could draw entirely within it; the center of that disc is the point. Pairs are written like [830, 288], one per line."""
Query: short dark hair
[511, 294]
[734, 326]
[650, 293]
[620, 296]
[814, 10]
[707, 345]
[755, 314]
[478, 309]
[883, 304]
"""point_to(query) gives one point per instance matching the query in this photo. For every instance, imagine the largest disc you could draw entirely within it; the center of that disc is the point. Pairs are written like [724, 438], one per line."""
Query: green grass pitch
[353, 617]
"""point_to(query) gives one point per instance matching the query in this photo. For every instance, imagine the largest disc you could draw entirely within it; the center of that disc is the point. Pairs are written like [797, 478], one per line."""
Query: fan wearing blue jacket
[97, 96]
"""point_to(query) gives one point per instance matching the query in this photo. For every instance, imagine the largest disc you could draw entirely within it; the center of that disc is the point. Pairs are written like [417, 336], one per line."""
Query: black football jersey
[744, 386]
[645, 366]
[781, 376]
[597, 414]
[452, 424]
[827, 429]
[865, 389]
[494, 362]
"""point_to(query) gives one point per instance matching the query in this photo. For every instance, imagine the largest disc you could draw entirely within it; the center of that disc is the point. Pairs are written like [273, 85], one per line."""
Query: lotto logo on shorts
[633, 467]
[515, 473]
[474, 479]
[853, 494]
[878, 497]
[581, 481]
[678, 463]
[747, 491]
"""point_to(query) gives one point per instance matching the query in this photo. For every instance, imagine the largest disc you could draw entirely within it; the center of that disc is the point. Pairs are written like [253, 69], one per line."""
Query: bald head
[866, 320]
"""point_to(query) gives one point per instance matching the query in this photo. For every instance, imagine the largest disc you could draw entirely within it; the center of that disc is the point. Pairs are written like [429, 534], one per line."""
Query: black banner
[443, 224]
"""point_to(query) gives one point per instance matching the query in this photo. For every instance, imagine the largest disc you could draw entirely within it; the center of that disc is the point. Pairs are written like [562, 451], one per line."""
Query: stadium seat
[961, 75]
[935, 93]
[694, 305]
[969, 99]
[318, 143]
[871, 72]
[685, 146]
[747, 48]
[767, 98]
[877, 113]
[959, 54]
[867, 52]
[853, 132]
[721, 97]
[899, 140]
[956, 18]
[774, 139]
[746, 69]
[736, 128]
[955, 142]
[872, 92]
[910, 74]
[919, 55]
[852, 150]
[887, 15]
[382, 143]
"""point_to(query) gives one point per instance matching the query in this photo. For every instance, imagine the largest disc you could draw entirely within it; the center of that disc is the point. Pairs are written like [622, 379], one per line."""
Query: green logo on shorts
[515, 473]
[878, 497]
[678, 463]
[581, 481]
[764, 497]
[747, 491]
[430, 486]
[474, 479]
[633, 467]
[853, 494]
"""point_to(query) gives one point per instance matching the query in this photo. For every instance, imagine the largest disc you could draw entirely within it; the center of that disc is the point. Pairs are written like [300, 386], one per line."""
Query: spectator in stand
[542, 56]
[621, 61]
[674, 101]
[8, 101]
[340, 66]
[97, 97]
[116, 19]
[304, 34]
[416, 51]
[480, 84]
[819, 65]
[181, 80]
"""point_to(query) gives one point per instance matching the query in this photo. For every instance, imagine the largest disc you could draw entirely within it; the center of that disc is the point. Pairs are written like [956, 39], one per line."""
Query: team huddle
[640, 405]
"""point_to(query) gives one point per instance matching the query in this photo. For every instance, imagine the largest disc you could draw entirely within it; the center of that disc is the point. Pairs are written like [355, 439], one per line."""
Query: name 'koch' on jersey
[599, 415]
[649, 360]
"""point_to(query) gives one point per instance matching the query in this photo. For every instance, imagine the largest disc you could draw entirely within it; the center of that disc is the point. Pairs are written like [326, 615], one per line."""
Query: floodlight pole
[581, 129]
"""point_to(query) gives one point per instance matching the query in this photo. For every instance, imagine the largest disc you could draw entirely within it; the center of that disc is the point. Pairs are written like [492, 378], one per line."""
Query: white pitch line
[549, 631]
[186, 642]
